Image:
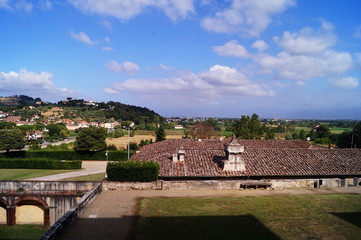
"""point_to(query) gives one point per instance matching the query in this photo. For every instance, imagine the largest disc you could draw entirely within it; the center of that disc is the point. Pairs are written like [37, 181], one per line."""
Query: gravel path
[112, 214]
[89, 167]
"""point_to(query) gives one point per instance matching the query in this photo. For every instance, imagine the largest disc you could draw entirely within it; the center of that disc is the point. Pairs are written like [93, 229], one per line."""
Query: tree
[11, 139]
[357, 135]
[202, 130]
[303, 134]
[160, 134]
[57, 131]
[323, 131]
[248, 128]
[91, 139]
[270, 133]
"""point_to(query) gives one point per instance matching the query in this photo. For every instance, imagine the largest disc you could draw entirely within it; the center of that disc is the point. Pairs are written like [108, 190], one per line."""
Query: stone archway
[4, 212]
[33, 201]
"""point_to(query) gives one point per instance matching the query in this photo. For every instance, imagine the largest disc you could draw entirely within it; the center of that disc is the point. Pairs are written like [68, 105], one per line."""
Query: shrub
[38, 163]
[68, 155]
[132, 171]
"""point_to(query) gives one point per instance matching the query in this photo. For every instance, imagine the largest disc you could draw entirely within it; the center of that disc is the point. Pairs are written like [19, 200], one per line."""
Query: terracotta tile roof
[261, 157]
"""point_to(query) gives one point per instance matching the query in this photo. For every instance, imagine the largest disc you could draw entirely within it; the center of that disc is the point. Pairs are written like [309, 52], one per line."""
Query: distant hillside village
[35, 115]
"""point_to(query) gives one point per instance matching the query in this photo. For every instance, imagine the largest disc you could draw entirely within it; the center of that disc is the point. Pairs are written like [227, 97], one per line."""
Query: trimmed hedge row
[133, 171]
[38, 163]
[68, 155]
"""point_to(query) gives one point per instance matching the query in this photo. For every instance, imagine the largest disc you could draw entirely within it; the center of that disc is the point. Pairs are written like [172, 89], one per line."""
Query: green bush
[132, 171]
[68, 155]
[324, 140]
[38, 163]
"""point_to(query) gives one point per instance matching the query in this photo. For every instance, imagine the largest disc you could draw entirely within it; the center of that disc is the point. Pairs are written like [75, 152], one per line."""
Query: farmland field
[333, 216]
[122, 142]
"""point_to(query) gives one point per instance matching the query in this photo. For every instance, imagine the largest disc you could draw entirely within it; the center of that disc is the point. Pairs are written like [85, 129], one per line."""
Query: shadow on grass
[351, 217]
[192, 227]
[203, 227]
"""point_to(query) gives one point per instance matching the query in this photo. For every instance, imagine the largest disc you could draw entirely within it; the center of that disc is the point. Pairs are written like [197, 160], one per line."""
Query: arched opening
[3, 212]
[31, 210]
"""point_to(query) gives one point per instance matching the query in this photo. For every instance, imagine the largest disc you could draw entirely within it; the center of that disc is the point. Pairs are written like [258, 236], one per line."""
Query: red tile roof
[261, 157]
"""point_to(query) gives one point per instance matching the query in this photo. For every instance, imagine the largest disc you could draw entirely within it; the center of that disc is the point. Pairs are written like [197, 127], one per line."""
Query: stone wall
[45, 186]
[225, 184]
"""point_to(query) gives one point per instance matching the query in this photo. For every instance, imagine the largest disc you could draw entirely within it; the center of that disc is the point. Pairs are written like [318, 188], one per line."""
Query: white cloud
[125, 67]
[247, 17]
[45, 5]
[106, 24]
[107, 49]
[307, 41]
[31, 83]
[345, 82]
[304, 67]
[110, 91]
[5, 4]
[25, 6]
[127, 9]
[165, 67]
[82, 37]
[231, 48]
[260, 45]
[219, 82]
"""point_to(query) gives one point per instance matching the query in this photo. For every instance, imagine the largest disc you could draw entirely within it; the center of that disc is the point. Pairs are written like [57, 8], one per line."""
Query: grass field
[23, 232]
[21, 174]
[91, 177]
[272, 217]
[122, 142]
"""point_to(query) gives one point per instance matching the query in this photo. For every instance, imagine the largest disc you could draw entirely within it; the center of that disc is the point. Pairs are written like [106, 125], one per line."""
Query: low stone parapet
[65, 221]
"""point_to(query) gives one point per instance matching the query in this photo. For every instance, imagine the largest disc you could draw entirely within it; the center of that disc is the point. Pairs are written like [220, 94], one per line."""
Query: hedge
[132, 171]
[68, 155]
[38, 163]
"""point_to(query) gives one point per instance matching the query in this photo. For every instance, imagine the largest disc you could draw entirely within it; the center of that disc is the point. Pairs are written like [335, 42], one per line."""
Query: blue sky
[276, 58]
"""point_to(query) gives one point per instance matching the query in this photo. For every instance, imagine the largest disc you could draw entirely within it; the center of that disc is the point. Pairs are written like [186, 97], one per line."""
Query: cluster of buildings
[71, 125]
[232, 158]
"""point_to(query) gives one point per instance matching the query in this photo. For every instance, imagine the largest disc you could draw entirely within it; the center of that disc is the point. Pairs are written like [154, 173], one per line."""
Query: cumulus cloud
[260, 45]
[305, 67]
[26, 82]
[247, 17]
[82, 37]
[127, 9]
[307, 41]
[232, 49]
[219, 82]
[345, 82]
[125, 67]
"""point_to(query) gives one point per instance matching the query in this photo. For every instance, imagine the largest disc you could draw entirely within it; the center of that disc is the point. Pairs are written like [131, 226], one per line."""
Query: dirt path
[89, 167]
[112, 215]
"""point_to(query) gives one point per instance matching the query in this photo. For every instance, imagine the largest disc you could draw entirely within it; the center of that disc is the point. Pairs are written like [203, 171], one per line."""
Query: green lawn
[91, 177]
[21, 174]
[23, 232]
[273, 217]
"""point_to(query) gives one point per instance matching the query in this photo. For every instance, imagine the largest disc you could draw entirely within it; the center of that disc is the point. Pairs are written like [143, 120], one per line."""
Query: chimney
[234, 160]
[180, 156]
